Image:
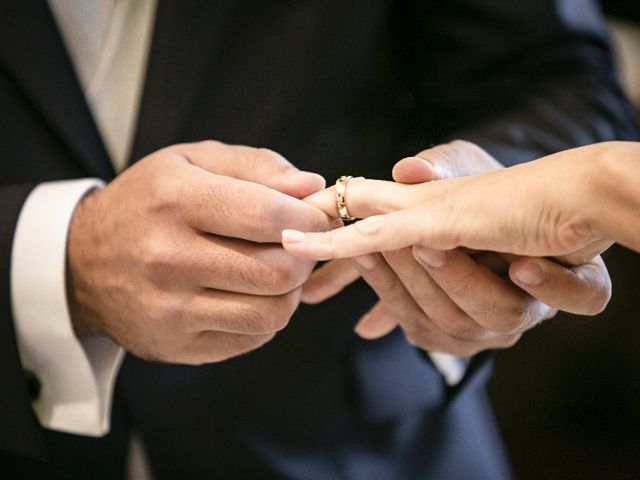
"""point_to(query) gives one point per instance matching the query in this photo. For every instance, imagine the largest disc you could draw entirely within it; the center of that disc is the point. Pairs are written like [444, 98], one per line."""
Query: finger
[432, 300]
[417, 170]
[455, 159]
[390, 290]
[365, 198]
[216, 310]
[374, 234]
[329, 280]
[237, 208]
[583, 290]
[490, 300]
[376, 323]
[459, 158]
[259, 165]
[418, 328]
[496, 262]
[240, 266]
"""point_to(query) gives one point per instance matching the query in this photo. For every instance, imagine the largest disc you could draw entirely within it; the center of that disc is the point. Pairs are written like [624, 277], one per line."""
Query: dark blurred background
[567, 397]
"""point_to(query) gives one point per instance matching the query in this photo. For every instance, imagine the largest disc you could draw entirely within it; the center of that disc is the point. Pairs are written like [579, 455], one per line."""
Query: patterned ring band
[341, 197]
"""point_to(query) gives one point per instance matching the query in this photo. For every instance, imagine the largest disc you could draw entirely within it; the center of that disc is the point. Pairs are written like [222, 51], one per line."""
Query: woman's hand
[538, 209]
[444, 300]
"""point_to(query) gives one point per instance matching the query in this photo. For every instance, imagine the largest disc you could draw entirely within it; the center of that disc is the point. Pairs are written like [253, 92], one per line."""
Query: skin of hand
[448, 300]
[178, 259]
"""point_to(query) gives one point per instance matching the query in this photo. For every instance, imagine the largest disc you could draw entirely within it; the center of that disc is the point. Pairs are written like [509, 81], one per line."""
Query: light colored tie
[109, 44]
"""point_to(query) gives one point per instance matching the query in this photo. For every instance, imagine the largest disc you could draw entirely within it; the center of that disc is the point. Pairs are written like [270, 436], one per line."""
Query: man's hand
[177, 259]
[455, 301]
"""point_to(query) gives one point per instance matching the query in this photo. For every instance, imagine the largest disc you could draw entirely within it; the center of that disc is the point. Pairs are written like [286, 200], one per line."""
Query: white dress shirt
[108, 42]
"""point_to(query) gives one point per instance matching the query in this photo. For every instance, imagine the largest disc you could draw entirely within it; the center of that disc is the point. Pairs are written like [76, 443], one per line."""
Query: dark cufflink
[33, 385]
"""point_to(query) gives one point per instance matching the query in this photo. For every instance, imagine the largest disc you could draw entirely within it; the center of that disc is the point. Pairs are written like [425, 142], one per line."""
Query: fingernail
[292, 236]
[531, 274]
[365, 261]
[432, 258]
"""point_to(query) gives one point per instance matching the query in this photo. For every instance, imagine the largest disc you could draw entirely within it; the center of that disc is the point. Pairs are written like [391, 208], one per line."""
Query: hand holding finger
[257, 165]
[583, 290]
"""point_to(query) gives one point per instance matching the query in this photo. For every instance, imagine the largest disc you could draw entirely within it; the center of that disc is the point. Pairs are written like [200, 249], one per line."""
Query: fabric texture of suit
[337, 88]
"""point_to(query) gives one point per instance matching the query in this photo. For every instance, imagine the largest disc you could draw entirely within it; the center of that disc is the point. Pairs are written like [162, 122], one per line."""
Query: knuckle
[164, 310]
[159, 254]
[386, 285]
[208, 144]
[265, 155]
[459, 327]
[163, 193]
[265, 215]
[464, 287]
[260, 158]
[284, 277]
[250, 320]
[277, 316]
[271, 318]
[506, 320]
[369, 227]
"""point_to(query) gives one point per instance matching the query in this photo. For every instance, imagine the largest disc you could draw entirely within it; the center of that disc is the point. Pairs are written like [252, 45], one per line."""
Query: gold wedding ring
[341, 197]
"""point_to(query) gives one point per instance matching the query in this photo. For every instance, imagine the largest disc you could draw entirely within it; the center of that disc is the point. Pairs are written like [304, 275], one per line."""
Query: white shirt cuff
[76, 376]
[452, 368]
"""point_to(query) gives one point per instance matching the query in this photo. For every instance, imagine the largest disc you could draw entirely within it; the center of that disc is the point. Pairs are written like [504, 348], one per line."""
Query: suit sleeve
[522, 79]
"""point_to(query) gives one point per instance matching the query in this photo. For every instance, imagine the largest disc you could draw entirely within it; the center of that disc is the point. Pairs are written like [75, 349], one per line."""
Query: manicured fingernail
[292, 236]
[365, 261]
[531, 274]
[432, 258]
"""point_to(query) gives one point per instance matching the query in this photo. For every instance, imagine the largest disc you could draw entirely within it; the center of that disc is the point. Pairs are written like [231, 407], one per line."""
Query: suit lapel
[185, 38]
[33, 52]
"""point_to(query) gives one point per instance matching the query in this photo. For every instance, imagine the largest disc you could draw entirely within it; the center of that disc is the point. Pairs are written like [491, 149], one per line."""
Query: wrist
[609, 181]
[83, 317]
[582, 172]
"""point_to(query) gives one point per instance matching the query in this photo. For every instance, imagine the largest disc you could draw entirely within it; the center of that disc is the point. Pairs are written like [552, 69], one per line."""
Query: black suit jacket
[337, 87]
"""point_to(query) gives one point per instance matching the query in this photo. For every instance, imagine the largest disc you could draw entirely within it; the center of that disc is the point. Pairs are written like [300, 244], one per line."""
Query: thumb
[257, 165]
[583, 290]
[417, 170]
